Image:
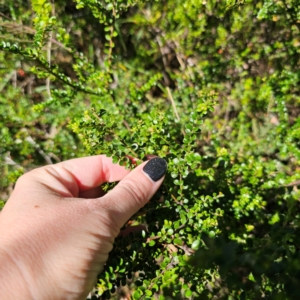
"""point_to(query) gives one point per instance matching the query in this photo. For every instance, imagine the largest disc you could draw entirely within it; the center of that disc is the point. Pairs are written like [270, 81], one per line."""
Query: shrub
[212, 87]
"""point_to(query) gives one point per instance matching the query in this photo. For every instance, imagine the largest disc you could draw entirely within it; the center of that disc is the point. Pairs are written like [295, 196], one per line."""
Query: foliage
[212, 87]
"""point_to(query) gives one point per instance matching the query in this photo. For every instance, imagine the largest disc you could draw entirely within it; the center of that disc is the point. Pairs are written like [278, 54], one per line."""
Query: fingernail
[155, 168]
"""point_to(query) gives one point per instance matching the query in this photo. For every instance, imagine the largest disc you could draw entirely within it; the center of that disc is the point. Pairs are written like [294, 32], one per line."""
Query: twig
[7, 79]
[31, 141]
[6, 17]
[26, 82]
[2, 37]
[173, 103]
[187, 250]
[49, 45]
[160, 45]
[9, 161]
[54, 157]
[29, 30]
[57, 76]
[181, 62]
[126, 125]
[295, 183]
[160, 275]
[174, 107]
[14, 79]
[111, 43]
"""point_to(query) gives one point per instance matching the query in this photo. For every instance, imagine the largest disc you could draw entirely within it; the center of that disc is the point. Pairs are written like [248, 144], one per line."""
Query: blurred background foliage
[211, 86]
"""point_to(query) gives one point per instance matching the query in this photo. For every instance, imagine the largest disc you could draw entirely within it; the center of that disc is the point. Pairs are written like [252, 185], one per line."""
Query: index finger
[70, 177]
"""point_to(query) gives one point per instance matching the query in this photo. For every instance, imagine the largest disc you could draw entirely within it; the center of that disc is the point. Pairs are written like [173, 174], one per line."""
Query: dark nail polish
[155, 168]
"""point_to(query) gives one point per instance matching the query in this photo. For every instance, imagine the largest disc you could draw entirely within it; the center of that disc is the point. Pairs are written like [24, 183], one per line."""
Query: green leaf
[151, 243]
[137, 294]
[188, 293]
[178, 241]
[195, 245]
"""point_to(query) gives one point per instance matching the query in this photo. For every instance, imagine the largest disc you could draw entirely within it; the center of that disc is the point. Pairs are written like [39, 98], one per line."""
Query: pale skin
[58, 227]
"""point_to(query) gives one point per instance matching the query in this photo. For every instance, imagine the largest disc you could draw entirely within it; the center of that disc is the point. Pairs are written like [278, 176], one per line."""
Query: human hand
[58, 227]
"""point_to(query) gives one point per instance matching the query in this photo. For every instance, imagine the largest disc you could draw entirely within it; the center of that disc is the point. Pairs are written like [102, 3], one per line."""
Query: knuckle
[22, 179]
[136, 191]
[26, 177]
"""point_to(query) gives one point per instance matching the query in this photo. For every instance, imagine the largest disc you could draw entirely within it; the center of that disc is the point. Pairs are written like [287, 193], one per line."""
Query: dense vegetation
[213, 87]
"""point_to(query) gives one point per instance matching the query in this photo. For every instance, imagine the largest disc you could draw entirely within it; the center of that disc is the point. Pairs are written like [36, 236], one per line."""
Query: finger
[133, 191]
[71, 177]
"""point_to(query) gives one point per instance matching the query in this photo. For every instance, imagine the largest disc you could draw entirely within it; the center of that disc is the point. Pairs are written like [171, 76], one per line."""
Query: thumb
[134, 190]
